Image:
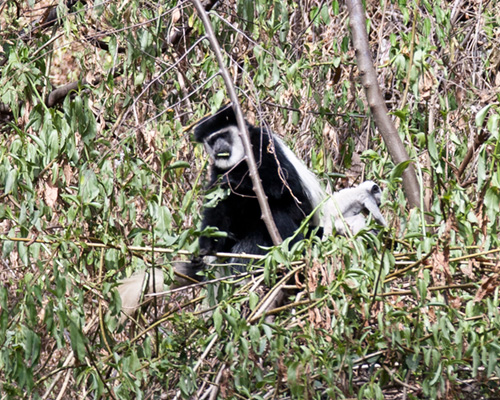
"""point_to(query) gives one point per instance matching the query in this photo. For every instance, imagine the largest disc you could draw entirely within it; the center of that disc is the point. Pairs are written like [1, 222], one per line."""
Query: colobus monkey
[293, 191]
[353, 203]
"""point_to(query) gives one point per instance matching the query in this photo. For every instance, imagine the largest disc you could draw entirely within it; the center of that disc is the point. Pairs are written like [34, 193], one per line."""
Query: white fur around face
[237, 150]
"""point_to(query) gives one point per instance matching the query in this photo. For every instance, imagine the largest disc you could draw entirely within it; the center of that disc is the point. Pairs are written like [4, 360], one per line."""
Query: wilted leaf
[440, 268]
[68, 173]
[50, 194]
[467, 270]
[426, 83]
[488, 286]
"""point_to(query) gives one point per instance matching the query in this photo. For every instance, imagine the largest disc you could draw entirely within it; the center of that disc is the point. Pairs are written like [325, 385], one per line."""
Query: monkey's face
[377, 194]
[225, 147]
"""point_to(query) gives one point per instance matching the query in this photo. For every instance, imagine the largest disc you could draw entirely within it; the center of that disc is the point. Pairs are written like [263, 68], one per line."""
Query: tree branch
[252, 167]
[376, 101]
[478, 141]
[58, 95]
[179, 33]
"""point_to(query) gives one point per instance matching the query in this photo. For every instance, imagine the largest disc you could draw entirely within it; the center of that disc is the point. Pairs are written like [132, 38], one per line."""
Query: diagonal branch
[376, 101]
[252, 166]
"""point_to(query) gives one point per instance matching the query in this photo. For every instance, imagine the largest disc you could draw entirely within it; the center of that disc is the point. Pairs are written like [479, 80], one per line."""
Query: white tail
[130, 290]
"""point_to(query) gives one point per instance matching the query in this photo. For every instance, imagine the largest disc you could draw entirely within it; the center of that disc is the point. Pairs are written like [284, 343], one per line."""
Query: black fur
[239, 214]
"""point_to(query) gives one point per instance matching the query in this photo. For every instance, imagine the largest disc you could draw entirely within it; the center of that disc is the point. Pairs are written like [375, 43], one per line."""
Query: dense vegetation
[99, 177]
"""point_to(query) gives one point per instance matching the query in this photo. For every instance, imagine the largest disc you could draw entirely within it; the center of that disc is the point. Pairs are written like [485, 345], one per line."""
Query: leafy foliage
[104, 180]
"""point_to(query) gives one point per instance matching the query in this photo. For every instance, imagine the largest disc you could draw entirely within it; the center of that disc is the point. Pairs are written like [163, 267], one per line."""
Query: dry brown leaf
[455, 302]
[497, 80]
[328, 322]
[312, 277]
[431, 313]
[377, 308]
[425, 84]
[440, 271]
[319, 318]
[311, 316]
[282, 370]
[468, 269]
[50, 194]
[488, 285]
[226, 384]
[176, 15]
[68, 173]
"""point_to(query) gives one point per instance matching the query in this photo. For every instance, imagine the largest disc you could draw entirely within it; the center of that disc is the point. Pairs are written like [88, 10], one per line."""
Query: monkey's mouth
[224, 154]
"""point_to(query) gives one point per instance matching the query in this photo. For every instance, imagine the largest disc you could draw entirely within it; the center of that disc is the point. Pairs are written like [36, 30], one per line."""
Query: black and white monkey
[293, 192]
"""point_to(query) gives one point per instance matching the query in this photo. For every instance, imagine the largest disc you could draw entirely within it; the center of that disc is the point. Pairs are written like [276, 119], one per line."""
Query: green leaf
[476, 362]
[492, 202]
[398, 170]
[481, 115]
[218, 99]
[31, 347]
[179, 164]
[164, 221]
[481, 168]
[146, 39]
[492, 125]
[10, 181]
[217, 317]
[77, 340]
[89, 188]
[253, 300]
[412, 361]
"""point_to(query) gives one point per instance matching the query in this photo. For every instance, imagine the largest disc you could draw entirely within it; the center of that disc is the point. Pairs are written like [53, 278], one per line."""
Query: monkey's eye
[224, 154]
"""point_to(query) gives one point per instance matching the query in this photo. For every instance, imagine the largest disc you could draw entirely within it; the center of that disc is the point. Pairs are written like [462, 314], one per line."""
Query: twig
[215, 385]
[271, 296]
[479, 254]
[67, 363]
[204, 283]
[277, 310]
[412, 49]
[394, 274]
[431, 289]
[478, 141]
[64, 385]
[146, 249]
[200, 360]
[399, 381]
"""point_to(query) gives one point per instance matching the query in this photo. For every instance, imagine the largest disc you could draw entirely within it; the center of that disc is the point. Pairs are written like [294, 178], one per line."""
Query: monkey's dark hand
[208, 246]
[197, 264]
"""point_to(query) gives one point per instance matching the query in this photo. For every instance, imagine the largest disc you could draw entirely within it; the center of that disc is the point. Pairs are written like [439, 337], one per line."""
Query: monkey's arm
[287, 224]
[355, 223]
[218, 218]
